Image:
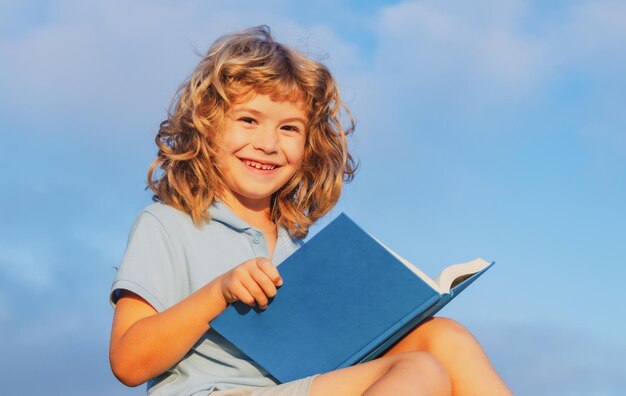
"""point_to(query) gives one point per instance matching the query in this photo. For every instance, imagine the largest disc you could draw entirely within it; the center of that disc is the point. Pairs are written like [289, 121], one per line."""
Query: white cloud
[117, 62]
[95, 60]
[487, 68]
[473, 51]
[110, 63]
[595, 34]
[483, 53]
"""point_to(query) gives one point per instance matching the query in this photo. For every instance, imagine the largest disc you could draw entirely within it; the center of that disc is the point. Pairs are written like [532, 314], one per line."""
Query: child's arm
[145, 343]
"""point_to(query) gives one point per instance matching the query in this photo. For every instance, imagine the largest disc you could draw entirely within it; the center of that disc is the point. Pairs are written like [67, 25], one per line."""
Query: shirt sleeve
[149, 265]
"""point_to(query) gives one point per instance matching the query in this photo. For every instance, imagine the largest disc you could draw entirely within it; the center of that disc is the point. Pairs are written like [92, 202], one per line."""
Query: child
[252, 153]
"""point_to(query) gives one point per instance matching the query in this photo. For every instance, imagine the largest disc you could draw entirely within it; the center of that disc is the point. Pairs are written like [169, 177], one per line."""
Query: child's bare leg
[460, 353]
[412, 373]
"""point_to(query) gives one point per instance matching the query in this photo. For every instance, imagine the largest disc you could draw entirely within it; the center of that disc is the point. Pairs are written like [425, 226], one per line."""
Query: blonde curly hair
[186, 174]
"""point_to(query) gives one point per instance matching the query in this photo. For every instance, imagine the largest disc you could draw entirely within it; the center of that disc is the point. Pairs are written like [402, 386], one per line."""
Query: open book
[346, 298]
[450, 277]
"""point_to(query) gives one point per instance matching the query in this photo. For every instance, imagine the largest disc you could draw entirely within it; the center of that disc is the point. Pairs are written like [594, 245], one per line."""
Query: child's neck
[256, 213]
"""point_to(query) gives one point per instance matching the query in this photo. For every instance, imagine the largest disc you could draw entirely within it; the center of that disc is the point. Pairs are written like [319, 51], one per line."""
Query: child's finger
[264, 282]
[270, 270]
[255, 290]
[240, 293]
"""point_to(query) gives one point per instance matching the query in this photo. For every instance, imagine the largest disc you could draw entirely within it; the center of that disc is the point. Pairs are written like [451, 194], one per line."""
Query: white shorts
[299, 387]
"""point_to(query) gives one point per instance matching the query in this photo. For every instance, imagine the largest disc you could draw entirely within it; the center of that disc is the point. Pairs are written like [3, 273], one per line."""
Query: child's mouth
[259, 165]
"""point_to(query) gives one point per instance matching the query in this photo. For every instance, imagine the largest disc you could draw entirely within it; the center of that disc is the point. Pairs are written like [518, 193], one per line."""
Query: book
[345, 299]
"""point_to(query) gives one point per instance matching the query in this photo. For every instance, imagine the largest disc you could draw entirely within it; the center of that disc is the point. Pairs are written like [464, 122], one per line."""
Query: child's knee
[447, 333]
[426, 366]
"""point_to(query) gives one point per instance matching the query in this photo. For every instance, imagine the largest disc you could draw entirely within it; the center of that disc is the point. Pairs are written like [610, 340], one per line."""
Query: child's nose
[266, 139]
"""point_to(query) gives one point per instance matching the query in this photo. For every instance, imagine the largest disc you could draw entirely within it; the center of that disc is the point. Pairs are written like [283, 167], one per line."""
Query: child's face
[262, 147]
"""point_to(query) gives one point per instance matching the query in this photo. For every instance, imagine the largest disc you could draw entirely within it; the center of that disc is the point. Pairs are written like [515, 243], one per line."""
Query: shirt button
[256, 240]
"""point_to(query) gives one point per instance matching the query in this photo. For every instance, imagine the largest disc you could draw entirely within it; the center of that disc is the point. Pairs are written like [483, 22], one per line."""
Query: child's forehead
[295, 97]
[277, 92]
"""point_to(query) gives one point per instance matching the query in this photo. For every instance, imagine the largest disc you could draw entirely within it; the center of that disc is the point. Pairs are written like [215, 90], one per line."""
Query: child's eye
[290, 128]
[247, 120]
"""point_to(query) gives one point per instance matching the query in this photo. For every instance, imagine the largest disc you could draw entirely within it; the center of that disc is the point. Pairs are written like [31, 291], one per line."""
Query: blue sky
[490, 128]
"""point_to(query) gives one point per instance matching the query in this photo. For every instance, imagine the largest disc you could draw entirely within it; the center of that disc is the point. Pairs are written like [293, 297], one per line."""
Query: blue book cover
[345, 299]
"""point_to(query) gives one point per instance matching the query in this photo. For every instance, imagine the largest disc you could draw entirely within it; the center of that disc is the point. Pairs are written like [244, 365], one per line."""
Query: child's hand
[253, 281]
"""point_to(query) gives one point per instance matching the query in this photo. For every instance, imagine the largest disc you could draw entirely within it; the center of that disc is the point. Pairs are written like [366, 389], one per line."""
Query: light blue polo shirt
[168, 258]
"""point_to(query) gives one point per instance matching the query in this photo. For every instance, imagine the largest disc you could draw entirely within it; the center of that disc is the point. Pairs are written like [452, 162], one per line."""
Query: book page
[457, 273]
[413, 268]
[449, 277]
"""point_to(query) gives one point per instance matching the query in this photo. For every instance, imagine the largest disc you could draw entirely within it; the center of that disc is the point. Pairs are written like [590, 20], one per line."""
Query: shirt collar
[221, 212]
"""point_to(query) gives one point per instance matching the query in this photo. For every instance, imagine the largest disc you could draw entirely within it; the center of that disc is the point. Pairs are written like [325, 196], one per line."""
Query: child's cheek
[295, 150]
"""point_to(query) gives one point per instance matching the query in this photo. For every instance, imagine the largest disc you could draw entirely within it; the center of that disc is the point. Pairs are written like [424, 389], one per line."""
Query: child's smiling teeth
[258, 165]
